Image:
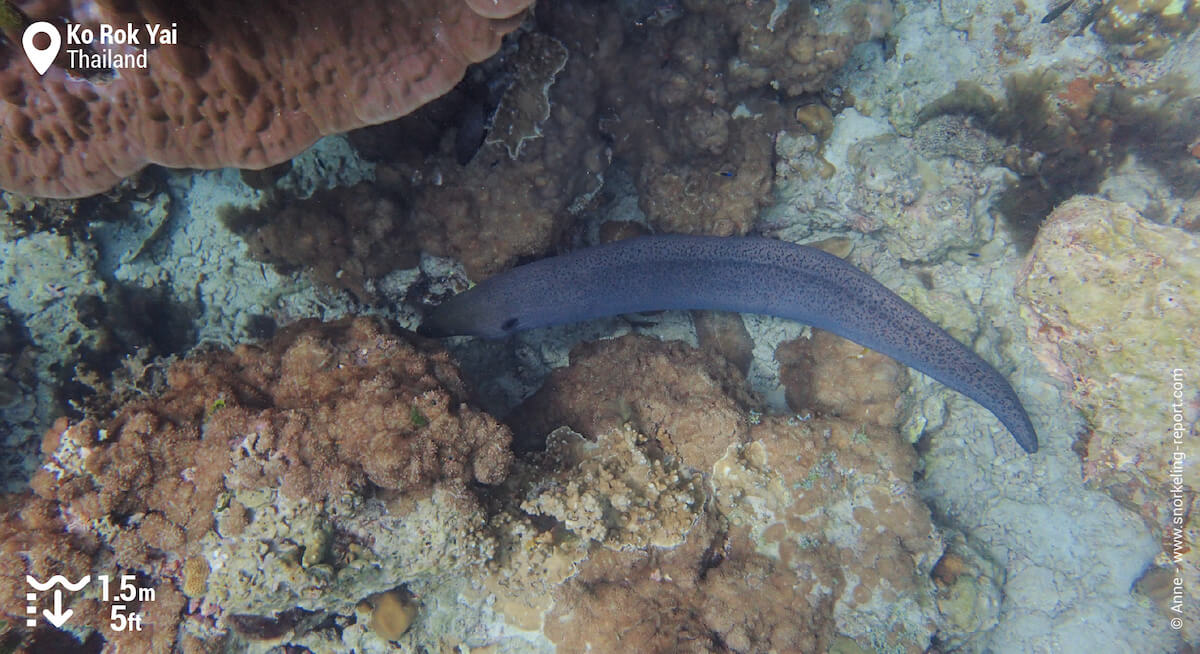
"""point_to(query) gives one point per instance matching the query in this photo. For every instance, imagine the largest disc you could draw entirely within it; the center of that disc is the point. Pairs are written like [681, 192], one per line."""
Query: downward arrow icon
[59, 617]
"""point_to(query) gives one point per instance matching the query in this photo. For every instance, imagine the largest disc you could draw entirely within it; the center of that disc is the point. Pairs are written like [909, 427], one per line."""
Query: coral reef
[246, 85]
[816, 518]
[927, 206]
[34, 540]
[832, 376]
[345, 238]
[1055, 129]
[1145, 28]
[325, 559]
[698, 126]
[969, 591]
[329, 490]
[48, 290]
[927, 197]
[525, 105]
[696, 129]
[708, 396]
[304, 447]
[617, 491]
[462, 206]
[469, 212]
[956, 135]
[392, 613]
[1110, 304]
[272, 494]
[23, 214]
[701, 152]
[725, 334]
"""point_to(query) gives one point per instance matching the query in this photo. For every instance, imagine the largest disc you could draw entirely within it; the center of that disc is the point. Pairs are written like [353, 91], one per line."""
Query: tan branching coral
[249, 84]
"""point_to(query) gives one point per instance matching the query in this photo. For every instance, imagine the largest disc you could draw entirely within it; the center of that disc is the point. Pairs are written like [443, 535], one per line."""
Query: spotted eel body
[743, 274]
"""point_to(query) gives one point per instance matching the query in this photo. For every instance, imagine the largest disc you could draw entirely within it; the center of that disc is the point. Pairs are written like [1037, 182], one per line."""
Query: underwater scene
[581, 326]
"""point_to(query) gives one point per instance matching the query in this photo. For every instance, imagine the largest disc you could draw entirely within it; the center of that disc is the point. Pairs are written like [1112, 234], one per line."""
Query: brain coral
[249, 84]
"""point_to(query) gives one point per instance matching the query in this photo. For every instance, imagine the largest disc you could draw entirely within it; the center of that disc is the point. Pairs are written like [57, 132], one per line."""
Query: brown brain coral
[249, 84]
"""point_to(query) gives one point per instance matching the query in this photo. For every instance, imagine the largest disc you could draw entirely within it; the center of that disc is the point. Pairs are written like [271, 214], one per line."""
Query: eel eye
[509, 324]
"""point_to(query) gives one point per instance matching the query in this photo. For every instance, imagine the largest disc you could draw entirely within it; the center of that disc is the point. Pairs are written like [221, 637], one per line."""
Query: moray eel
[747, 275]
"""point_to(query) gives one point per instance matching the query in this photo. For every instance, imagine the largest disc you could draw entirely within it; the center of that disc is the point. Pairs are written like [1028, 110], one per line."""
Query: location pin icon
[41, 58]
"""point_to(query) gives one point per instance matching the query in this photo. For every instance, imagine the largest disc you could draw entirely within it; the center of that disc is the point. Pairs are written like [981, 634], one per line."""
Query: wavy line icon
[57, 579]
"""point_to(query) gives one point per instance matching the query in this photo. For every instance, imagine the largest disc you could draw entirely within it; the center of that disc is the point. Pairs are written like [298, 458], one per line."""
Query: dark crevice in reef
[45, 640]
[138, 325]
[1066, 137]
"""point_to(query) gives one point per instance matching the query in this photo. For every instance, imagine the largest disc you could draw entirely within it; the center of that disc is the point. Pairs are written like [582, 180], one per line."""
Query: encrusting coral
[291, 437]
[525, 105]
[1052, 129]
[833, 376]
[345, 237]
[810, 530]
[694, 109]
[689, 103]
[274, 491]
[616, 491]
[249, 84]
[463, 206]
[471, 212]
[1111, 305]
[707, 395]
